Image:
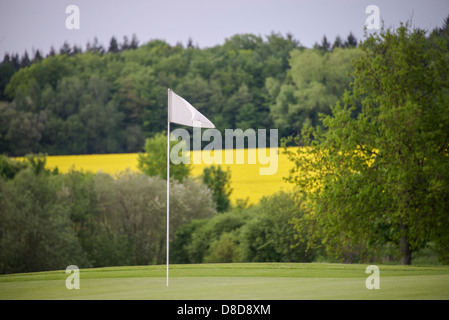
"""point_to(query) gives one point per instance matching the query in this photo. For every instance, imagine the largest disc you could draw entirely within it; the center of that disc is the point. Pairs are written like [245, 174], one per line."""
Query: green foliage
[382, 174]
[182, 238]
[132, 218]
[211, 233]
[219, 181]
[314, 82]
[109, 101]
[261, 233]
[97, 102]
[193, 242]
[9, 167]
[223, 250]
[154, 161]
[50, 221]
[6, 72]
[38, 164]
[36, 231]
[269, 236]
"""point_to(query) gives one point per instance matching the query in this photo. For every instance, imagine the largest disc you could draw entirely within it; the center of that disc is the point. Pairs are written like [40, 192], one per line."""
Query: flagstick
[168, 179]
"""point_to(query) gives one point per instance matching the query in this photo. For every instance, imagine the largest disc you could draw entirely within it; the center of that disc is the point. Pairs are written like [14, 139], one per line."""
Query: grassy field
[245, 178]
[243, 281]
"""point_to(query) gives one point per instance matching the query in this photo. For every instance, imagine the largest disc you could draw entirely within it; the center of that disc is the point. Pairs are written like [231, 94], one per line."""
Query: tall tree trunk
[406, 254]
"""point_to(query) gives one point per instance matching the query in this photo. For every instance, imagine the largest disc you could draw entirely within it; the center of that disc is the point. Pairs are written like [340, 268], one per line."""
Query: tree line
[51, 220]
[109, 100]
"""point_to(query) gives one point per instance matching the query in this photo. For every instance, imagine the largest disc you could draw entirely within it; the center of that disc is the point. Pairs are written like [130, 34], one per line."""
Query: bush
[219, 181]
[269, 236]
[261, 233]
[9, 167]
[134, 209]
[224, 249]
[36, 232]
[91, 220]
[154, 161]
[207, 232]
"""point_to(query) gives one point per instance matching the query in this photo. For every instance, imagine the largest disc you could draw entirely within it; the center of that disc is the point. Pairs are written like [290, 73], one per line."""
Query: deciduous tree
[383, 172]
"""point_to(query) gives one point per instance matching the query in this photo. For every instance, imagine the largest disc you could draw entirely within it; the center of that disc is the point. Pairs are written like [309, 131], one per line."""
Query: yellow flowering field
[246, 180]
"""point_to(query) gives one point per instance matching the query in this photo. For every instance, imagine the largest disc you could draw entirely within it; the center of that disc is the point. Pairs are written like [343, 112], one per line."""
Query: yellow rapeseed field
[246, 180]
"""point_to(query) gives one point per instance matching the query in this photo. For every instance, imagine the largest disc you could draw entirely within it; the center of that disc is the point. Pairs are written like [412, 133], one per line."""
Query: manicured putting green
[255, 281]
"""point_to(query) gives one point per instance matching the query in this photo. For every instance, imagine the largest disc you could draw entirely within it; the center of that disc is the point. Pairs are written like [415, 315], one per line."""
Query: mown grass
[269, 281]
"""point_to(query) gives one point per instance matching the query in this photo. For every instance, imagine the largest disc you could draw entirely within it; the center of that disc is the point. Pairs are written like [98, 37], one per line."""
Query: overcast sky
[40, 24]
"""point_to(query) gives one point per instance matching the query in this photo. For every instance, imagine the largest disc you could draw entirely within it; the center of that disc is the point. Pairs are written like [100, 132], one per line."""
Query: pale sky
[40, 24]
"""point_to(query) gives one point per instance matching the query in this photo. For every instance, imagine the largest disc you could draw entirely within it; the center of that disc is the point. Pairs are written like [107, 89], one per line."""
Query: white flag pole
[168, 178]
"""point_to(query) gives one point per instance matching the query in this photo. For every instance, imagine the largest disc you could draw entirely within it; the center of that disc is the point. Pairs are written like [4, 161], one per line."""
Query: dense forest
[110, 99]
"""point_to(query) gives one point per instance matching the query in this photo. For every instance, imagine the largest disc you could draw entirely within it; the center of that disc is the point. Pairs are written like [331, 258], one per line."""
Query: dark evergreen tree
[134, 42]
[338, 43]
[325, 45]
[189, 43]
[66, 49]
[37, 56]
[113, 45]
[25, 61]
[52, 52]
[125, 45]
[76, 49]
[351, 41]
[95, 47]
[6, 72]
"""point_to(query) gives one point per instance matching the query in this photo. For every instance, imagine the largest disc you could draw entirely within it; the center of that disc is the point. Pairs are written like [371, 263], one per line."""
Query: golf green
[241, 281]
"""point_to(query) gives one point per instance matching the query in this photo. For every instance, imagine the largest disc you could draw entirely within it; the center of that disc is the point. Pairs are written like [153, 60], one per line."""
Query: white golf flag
[182, 112]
